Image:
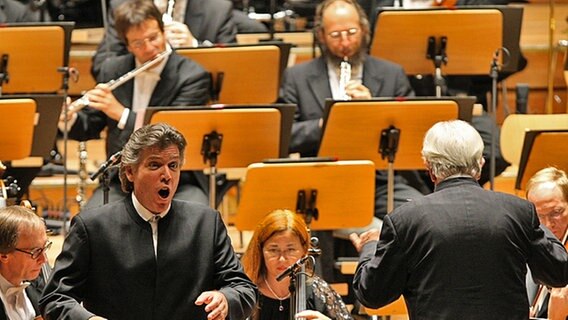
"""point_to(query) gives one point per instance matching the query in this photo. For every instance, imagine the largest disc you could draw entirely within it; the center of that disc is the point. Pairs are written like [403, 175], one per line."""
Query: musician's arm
[381, 273]
[63, 293]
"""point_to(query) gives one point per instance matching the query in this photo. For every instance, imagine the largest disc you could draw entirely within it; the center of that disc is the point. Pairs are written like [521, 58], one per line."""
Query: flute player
[174, 81]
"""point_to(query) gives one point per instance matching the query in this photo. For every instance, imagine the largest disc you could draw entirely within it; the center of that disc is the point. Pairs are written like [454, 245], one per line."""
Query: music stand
[46, 45]
[16, 129]
[458, 26]
[48, 108]
[515, 126]
[352, 130]
[342, 187]
[232, 68]
[227, 137]
[541, 149]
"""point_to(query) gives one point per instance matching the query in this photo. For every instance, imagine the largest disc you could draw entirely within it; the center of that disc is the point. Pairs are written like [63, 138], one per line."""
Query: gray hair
[15, 221]
[452, 148]
[159, 135]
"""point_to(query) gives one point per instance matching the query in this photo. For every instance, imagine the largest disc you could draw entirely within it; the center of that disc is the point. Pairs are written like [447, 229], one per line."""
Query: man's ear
[3, 257]
[129, 173]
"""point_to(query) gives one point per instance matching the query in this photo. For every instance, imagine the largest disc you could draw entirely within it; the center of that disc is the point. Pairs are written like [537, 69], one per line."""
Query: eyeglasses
[343, 33]
[273, 253]
[152, 39]
[555, 215]
[37, 252]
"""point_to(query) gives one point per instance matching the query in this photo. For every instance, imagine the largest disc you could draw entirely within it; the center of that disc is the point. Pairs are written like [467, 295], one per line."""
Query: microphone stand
[105, 177]
[67, 71]
[388, 148]
[494, 74]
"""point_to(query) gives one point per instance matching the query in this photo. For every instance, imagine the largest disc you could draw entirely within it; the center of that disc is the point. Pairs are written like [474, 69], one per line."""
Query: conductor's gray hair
[453, 148]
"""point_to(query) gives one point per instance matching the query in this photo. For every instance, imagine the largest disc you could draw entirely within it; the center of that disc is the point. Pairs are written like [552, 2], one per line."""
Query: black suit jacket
[108, 264]
[307, 86]
[210, 20]
[460, 253]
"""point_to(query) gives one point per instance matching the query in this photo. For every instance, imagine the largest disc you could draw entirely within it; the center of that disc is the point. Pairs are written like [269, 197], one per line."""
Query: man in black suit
[23, 243]
[174, 81]
[461, 252]
[202, 21]
[149, 256]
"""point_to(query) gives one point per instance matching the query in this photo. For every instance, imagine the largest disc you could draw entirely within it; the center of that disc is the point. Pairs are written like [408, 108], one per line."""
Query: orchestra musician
[461, 252]
[23, 246]
[548, 191]
[149, 256]
[342, 29]
[279, 240]
[175, 81]
[193, 22]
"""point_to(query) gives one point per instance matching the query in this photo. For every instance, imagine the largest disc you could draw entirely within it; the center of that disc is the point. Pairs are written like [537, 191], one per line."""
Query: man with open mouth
[149, 256]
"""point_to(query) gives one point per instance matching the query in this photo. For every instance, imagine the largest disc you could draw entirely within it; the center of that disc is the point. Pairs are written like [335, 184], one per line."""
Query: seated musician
[174, 81]
[188, 24]
[548, 190]
[279, 240]
[23, 243]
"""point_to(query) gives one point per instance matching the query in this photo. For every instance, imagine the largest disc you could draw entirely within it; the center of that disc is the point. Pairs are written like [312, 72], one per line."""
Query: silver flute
[115, 83]
[344, 78]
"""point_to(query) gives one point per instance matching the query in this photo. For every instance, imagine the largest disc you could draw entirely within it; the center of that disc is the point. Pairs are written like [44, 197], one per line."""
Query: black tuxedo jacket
[460, 253]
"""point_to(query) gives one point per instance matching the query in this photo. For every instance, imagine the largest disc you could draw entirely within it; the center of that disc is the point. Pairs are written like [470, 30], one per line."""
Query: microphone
[114, 159]
[292, 268]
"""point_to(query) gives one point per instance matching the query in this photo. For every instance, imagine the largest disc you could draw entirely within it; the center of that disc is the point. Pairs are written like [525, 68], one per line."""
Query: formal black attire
[108, 264]
[460, 253]
[182, 82]
[210, 20]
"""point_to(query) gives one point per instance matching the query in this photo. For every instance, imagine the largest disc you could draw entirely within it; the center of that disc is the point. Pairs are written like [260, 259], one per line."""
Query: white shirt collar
[145, 213]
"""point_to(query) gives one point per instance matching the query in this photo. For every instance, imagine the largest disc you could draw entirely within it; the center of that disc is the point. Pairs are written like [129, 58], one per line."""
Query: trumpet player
[193, 22]
[174, 81]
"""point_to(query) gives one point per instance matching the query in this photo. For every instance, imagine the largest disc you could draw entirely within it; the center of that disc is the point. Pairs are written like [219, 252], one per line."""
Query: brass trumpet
[115, 83]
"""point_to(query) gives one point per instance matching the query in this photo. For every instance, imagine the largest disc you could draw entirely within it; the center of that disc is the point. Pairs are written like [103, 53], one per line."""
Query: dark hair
[133, 13]
[159, 135]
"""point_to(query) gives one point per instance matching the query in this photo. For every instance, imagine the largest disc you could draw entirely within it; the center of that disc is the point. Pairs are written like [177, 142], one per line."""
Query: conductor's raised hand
[361, 240]
[216, 304]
